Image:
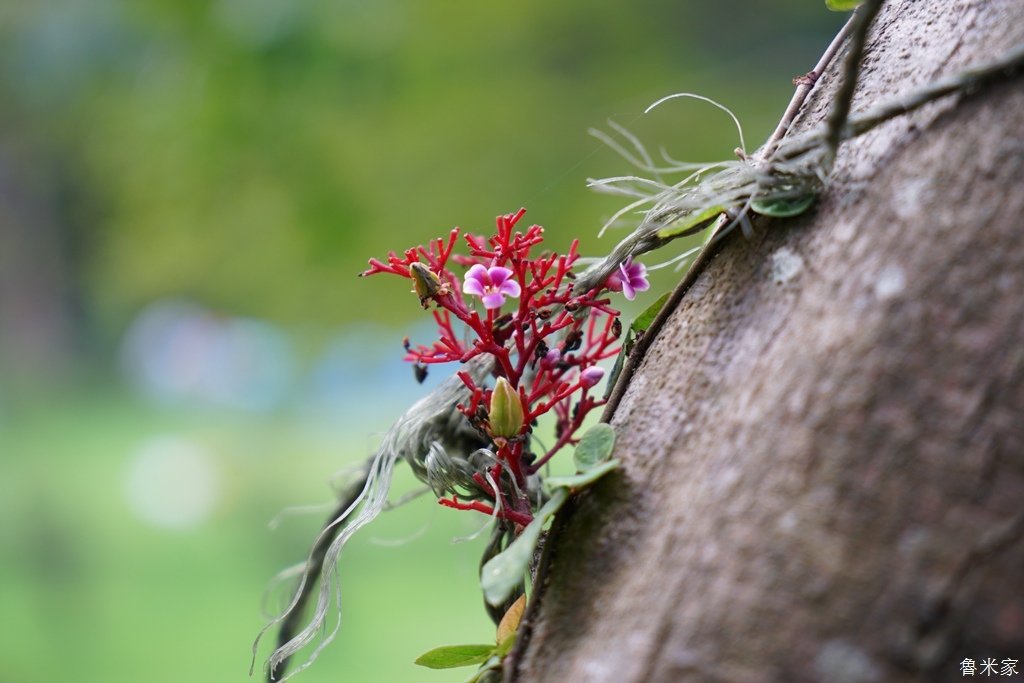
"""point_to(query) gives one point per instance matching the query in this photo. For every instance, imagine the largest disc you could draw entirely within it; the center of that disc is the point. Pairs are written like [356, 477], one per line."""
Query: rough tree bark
[823, 450]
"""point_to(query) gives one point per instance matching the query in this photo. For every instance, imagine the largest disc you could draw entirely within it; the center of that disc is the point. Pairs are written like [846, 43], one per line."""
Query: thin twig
[804, 89]
[1008, 64]
[843, 99]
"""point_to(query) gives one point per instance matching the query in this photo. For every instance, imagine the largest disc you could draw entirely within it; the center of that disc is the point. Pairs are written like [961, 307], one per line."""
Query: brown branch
[803, 90]
[843, 99]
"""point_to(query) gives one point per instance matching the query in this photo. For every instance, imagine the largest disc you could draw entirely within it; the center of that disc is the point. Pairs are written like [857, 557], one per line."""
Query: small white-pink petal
[493, 300]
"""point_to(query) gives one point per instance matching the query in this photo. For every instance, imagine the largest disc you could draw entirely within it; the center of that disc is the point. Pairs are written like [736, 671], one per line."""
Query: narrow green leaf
[594, 446]
[783, 208]
[692, 223]
[578, 481]
[505, 646]
[644, 320]
[503, 572]
[842, 5]
[452, 656]
[620, 361]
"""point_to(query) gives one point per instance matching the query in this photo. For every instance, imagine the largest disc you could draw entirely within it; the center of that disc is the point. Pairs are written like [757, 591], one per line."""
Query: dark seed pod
[502, 321]
[573, 341]
[419, 371]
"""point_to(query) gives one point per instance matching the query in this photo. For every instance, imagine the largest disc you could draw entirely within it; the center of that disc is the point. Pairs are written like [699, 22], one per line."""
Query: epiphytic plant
[529, 345]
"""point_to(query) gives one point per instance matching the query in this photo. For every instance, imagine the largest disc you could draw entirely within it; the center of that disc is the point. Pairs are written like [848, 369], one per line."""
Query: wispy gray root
[438, 443]
[786, 168]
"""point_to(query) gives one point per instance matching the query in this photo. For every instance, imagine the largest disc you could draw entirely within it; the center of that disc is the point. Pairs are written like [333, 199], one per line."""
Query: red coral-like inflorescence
[545, 340]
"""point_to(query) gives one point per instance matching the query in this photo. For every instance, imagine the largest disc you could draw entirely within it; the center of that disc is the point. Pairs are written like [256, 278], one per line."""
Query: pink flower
[492, 285]
[629, 279]
[591, 376]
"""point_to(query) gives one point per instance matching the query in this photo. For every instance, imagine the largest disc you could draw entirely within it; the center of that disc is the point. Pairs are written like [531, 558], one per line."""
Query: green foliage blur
[244, 158]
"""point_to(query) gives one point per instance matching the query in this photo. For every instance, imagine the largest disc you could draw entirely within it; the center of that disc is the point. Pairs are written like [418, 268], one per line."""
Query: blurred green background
[187, 191]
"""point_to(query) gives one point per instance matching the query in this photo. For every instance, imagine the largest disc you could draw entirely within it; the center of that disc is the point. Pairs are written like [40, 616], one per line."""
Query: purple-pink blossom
[591, 376]
[492, 285]
[629, 279]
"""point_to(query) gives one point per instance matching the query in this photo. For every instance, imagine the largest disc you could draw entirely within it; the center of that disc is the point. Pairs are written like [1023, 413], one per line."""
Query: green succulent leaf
[842, 5]
[644, 320]
[503, 572]
[594, 446]
[452, 656]
[691, 223]
[578, 481]
[783, 208]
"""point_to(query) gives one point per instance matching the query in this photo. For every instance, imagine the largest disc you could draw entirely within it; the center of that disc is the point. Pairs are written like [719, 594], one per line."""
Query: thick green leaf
[644, 320]
[691, 223]
[503, 572]
[594, 446]
[451, 656]
[783, 208]
[578, 481]
[842, 5]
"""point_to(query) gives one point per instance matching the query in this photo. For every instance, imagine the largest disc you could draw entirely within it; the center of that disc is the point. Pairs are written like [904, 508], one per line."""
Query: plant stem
[862, 20]
[803, 90]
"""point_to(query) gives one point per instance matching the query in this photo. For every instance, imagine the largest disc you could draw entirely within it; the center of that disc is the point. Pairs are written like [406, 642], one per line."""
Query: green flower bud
[506, 413]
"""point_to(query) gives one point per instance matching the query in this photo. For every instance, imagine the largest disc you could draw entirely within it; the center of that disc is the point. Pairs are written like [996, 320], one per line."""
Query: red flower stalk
[545, 342]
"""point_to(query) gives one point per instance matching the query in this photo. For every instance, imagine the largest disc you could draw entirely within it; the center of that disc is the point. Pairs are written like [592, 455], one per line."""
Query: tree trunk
[823, 450]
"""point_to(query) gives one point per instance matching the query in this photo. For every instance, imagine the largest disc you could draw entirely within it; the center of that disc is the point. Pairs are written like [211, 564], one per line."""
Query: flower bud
[425, 283]
[506, 411]
[591, 376]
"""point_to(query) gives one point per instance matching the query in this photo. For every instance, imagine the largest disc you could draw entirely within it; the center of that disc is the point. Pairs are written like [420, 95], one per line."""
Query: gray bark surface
[823, 450]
